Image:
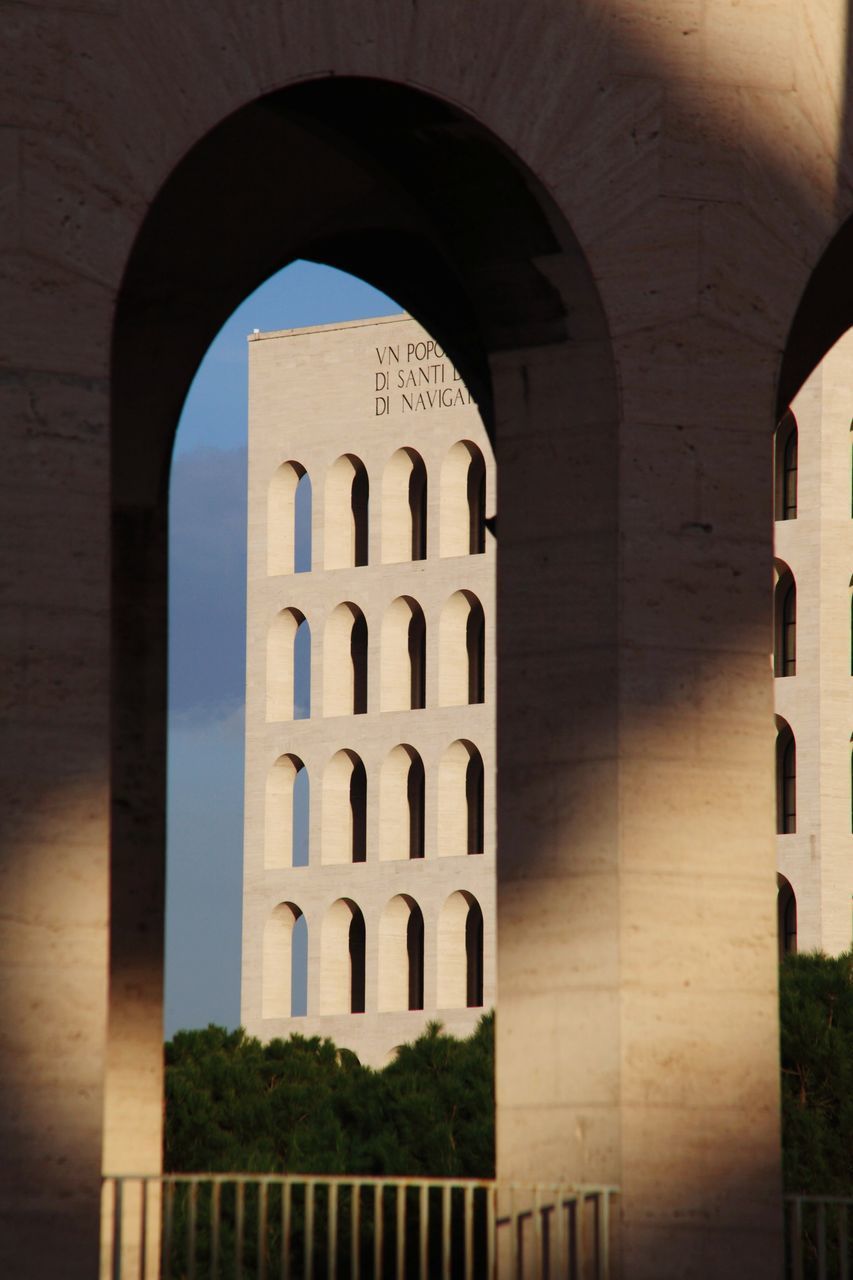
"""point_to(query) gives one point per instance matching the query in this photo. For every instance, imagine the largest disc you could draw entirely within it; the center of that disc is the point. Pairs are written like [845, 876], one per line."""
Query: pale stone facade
[814, 691]
[400, 795]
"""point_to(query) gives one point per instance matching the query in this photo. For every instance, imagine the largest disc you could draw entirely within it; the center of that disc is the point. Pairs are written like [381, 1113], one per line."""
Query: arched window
[404, 508]
[289, 520]
[463, 501]
[786, 779]
[289, 667]
[403, 656]
[345, 662]
[785, 468]
[284, 976]
[786, 918]
[344, 827]
[461, 651]
[460, 953]
[401, 955]
[286, 814]
[347, 493]
[460, 801]
[401, 805]
[785, 623]
[342, 948]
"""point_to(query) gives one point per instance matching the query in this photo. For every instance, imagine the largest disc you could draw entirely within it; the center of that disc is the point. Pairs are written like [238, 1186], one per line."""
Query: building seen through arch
[397, 892]
[812, 644]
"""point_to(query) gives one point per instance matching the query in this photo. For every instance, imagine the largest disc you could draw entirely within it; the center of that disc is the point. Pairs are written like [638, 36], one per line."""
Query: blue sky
[207, 601]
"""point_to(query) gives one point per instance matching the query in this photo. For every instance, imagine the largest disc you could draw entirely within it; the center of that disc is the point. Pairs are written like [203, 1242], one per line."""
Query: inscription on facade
[415, 377]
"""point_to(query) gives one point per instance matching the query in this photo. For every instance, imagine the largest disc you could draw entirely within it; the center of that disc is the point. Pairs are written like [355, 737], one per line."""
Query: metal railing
[818, 1238]
[285, 1227]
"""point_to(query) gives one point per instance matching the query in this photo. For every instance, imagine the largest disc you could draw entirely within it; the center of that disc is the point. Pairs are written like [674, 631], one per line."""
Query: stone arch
[289, 489]
[461, 801]
[404, 507]
[344, 823]
[403, 656]
[345, 662]
[784, 621]
[278, 997]
[286, 813]
[460, 952]
[462, 520]
[401, 805]
[401, 955]
[461, 651]
[345, 526]
[349, 144]
[342, 958]
[288, 665]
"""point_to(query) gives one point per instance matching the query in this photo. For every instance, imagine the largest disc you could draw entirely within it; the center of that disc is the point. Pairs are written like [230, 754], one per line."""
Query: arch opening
[403, 655]
[786, 778]
[286, 814]
[289, 520]
[784, 622]
[460, 953]
[347, 494]
[342, 959]
[402, 789]
[462, 502]
[344, 823]
[461, 801]
[461, 651]
[404, 507]
[345, 662]
[284, 978]
[401, 955]
[786, 918]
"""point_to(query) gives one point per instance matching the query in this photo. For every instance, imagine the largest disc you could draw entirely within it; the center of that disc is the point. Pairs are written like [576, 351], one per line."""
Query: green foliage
[304, 1106]
[816, 1017]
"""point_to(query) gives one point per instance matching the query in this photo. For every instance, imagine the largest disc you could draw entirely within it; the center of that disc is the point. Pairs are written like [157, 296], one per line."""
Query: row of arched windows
[456, 950]
[402, 783]
[461, 659]
[404, 534]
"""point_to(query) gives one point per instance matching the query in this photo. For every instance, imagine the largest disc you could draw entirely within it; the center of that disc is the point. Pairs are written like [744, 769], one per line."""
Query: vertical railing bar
[423, 1230]
[143, 1227]
[308, 1262]
[263, 1187]
[332, 1231]
[843, 1243]
[603, 1221]
[192, 1214]
[215, 1201]
[513, 1235]
[491, 1231]
[285, 1230]
[821, 1241]
[575, 1234]
[378, 1230]
[401, 1231]
[168, 1222]
[468, 1212]
[560, 1232]
[537, 1230]
[239, 1207]
[355, 1232]
[446, 1215]
[118, 1214]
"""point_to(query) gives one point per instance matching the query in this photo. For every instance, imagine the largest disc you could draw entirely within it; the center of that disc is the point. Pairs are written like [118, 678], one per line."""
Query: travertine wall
[817, 546]
[365, 389]
[609, 213]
